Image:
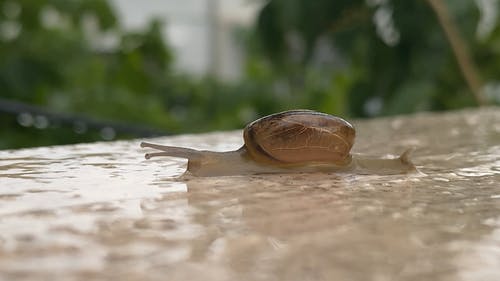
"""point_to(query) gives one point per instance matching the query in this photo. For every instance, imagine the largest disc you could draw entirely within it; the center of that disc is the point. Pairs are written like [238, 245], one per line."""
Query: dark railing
[28, 114]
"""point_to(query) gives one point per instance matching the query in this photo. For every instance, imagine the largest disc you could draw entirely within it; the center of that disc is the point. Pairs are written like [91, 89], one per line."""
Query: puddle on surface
[100, 211]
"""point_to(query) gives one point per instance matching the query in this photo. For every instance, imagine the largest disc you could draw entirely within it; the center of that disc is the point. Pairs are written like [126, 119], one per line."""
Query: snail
[288, 142]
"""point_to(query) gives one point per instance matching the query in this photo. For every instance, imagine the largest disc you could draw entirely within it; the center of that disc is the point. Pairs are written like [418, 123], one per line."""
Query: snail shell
[299, 136]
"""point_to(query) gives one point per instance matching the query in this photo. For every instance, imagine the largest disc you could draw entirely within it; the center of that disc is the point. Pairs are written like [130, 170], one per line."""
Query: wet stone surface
[100, 211]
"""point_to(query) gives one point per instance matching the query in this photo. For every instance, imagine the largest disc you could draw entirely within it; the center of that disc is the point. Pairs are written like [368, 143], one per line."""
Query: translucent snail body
[288, 142]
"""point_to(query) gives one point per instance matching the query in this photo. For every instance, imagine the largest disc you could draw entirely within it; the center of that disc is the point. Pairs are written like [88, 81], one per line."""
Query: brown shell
[299, 136]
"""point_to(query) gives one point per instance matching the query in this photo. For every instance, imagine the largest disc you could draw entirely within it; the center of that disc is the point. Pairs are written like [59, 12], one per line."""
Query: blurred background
[89, 70]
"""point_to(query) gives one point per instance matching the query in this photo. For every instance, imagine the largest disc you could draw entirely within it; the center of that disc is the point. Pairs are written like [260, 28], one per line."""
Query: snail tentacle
[173, 151]
[405, 156]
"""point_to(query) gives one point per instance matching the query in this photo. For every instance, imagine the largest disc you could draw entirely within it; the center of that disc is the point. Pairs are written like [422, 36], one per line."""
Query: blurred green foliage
[393, 55]
[349, 57]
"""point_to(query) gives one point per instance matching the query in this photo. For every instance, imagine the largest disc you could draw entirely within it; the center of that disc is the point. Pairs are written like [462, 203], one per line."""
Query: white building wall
[199, 31]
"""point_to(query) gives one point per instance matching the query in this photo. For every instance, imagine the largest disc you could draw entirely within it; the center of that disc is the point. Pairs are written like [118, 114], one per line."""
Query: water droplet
[41, 122]
[25, 119]
[373, 106]
[108, 133]
[397, 123]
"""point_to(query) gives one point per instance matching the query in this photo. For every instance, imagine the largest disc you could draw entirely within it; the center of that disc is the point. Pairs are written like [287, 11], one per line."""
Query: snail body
[288, 142]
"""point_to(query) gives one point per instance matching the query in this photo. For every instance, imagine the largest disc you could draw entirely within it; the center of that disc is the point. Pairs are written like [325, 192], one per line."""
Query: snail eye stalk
[172, 151]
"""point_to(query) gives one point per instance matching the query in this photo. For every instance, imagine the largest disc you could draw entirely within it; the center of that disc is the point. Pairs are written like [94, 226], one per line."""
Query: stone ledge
[100, 211]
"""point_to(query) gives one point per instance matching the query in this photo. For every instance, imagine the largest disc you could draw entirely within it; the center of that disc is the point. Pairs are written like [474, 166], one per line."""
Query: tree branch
[459, 48]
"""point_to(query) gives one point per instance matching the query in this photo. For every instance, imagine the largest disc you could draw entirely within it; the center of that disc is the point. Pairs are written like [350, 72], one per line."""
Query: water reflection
[100, 211]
